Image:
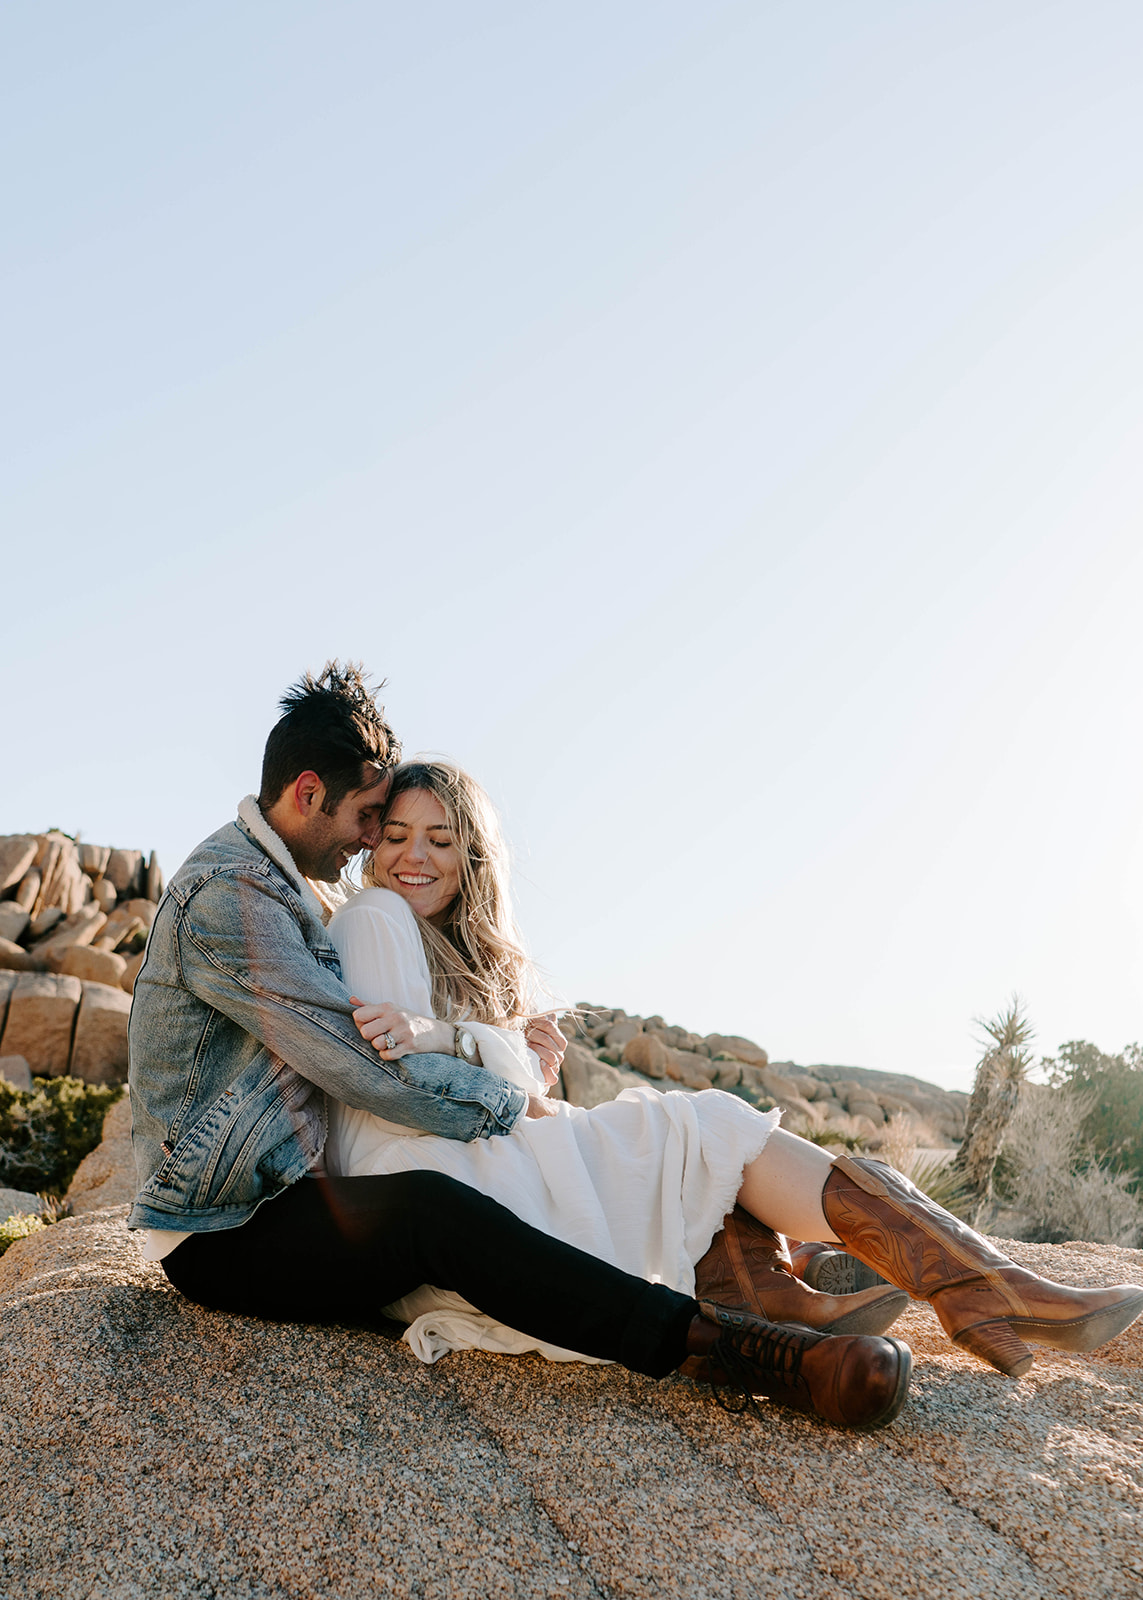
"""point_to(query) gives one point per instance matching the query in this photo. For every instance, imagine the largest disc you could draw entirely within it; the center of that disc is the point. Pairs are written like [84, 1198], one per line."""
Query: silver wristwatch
[466, 1047]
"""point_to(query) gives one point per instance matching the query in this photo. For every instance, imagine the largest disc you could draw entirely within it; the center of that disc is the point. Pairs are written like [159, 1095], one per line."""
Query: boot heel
[995, 1343]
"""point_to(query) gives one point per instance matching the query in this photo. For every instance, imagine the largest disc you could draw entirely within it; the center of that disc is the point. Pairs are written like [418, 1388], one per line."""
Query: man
[241, 1025]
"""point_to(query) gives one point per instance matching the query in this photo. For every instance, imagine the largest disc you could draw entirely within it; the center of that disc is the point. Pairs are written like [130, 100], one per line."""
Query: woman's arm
[385, 967]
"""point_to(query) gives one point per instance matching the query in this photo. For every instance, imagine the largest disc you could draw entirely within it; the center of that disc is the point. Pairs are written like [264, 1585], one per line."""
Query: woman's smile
[417, 857]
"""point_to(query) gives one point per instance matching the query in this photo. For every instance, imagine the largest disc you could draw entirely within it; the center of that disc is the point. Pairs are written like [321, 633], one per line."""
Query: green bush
[16, 1227]
[45, 1134]
[1112, 1087]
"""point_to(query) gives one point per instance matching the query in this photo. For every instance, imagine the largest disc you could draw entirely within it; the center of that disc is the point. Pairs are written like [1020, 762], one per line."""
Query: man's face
[325, 845]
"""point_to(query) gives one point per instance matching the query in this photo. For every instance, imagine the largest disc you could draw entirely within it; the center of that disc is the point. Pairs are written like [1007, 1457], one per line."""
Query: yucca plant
[995, 1097]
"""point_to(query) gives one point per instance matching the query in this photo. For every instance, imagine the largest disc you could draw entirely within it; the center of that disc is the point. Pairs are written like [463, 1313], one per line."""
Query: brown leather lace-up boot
[851, 1380]
[986, 1303]
[748, 1269]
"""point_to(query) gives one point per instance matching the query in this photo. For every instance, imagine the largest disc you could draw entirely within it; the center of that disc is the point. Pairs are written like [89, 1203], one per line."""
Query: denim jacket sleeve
[241, 950]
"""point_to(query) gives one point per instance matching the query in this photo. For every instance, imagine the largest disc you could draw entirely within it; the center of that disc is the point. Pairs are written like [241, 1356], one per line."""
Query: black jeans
[339, 1249]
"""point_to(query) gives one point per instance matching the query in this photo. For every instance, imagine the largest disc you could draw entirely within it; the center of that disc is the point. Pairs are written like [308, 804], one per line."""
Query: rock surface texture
[155, 1448]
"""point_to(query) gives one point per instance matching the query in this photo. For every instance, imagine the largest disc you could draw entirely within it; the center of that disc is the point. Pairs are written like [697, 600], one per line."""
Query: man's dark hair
[331, 725]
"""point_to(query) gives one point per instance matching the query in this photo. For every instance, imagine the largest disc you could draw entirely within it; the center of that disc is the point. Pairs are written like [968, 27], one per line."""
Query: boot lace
[749, 1357]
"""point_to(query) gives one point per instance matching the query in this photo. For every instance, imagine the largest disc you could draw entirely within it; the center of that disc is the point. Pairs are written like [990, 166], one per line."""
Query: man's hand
[394, 1033]
[539, 1107]
[548, 1042]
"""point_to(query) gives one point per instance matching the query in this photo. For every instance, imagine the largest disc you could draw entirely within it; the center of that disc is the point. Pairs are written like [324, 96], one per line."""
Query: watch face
[467, 1045]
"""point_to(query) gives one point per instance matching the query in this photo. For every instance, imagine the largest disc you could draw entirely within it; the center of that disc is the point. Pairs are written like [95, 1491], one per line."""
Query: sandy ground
[151, 1448]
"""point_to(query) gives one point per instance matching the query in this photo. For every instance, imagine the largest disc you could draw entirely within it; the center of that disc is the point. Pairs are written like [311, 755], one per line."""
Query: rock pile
[610, 1051]
[74, 919]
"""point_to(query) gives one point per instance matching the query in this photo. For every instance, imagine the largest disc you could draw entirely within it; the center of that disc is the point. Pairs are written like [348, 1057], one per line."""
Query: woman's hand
[548, 1042]
[394, 1033]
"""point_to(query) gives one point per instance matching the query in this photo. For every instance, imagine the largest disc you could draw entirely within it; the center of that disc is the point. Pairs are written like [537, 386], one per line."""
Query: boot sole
[1085, 1333]
[835, 1272]
[872, 1318]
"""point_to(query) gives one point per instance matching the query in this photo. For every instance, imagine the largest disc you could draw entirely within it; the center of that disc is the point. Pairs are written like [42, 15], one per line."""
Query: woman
[644, 1181]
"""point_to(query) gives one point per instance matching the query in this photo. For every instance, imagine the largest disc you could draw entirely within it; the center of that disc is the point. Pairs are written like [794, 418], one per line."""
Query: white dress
[642, 1182]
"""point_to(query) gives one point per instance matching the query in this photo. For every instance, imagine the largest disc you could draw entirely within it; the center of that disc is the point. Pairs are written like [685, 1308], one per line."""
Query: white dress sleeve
[383, 959]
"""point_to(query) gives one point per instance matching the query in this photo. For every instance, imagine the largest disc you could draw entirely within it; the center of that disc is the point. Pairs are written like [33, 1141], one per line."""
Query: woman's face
[417, 857]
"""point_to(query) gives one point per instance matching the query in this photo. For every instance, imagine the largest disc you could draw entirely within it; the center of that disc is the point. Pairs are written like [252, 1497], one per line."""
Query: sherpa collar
[250, 814]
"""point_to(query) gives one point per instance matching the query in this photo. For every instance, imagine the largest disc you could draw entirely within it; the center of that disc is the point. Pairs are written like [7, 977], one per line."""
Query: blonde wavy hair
[478, 967]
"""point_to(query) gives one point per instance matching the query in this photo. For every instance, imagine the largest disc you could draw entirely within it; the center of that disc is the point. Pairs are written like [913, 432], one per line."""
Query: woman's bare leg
[783, 1187]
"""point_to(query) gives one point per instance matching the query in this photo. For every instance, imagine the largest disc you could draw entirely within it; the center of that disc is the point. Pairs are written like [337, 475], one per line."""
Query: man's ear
[308, 794]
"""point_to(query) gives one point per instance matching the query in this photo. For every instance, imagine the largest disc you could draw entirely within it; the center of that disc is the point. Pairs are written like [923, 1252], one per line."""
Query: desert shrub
[18, 1227]
[814, 1126]
[1055, 1177]
[45, 1133]
[1113, 1087]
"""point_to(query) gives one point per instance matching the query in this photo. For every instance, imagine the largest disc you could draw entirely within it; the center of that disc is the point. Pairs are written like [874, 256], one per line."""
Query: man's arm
[241, 951]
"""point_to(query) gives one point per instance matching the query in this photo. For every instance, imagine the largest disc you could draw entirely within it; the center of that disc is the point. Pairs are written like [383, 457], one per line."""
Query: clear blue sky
[720, 423]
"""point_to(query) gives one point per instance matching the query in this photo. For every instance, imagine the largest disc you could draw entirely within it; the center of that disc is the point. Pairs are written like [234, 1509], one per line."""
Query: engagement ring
[388, 1040]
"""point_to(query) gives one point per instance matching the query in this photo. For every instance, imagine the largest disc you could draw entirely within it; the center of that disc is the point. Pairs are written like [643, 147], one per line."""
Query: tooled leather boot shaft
[891, 1224]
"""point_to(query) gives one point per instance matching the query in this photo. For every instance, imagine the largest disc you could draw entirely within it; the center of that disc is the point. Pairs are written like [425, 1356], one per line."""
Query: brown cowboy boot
[748, 1269]
[847, 1379]
[986, 1303]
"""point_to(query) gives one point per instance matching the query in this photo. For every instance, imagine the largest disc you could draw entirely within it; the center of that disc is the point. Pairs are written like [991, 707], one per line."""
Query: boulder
[44, 921]
[99, 1054]
[647, 1054]
[153, 880]
[685, 1067]
[27, 890]
[805, 1084]
[17, 853]
[16, 1202]
[620, 1032]
[79, 928]
[103, 893]
[15, 1071]
[62, 883]
[14, 958]
[106, 1177]
[13, 920]
[794, 1106]
[732, 1044]
[132, 966]
[124, 868]
[40, 1021]
[868, 1108]
[93, 859]
[778, 1085]
[93, 966]
[128, 919]
[587, 1080]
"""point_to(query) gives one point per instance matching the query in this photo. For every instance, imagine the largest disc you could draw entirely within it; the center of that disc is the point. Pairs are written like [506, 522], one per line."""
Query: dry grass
[1058, 1186]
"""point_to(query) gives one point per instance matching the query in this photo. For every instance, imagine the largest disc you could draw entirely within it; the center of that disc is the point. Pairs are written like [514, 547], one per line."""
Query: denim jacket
[239, 1027]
